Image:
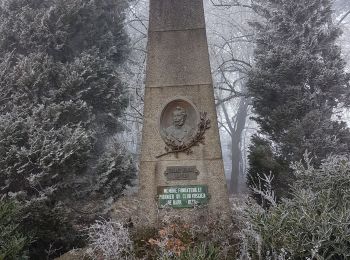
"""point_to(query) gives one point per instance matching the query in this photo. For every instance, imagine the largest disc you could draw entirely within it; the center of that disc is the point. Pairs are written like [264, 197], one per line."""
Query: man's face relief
[179, 118]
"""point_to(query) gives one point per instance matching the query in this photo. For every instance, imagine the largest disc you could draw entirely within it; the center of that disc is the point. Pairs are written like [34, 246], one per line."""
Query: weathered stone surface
[147, 192]
[211, 174]
[202, 97]
[167, 15]
[178, 58]
[178, 69]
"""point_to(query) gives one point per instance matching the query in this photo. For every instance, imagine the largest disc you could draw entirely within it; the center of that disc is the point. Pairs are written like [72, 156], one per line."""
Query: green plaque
[186, 196]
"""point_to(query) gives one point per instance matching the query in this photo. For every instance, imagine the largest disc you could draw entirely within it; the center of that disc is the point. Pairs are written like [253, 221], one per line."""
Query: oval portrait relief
[178, 122]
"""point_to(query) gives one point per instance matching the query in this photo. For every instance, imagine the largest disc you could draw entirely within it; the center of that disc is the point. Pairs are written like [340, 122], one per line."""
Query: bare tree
[134, 73]
[342, 19]
[231, 47]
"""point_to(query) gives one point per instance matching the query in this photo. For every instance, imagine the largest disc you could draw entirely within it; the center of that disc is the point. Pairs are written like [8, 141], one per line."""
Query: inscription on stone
[174, 173]
[182, 196]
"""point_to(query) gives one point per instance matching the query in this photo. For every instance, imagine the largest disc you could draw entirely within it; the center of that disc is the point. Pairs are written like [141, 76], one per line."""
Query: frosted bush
[110, 240]
[312, 224]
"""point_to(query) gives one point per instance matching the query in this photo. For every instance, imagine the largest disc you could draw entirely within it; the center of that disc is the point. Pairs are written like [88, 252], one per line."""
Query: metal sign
[173, 173]
[186, 196]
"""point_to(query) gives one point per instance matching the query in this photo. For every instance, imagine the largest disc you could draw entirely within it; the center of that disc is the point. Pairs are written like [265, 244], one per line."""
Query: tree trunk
[236, 155]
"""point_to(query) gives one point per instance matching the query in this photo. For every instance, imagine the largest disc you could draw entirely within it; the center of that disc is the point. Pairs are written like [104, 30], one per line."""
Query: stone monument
[181, 162]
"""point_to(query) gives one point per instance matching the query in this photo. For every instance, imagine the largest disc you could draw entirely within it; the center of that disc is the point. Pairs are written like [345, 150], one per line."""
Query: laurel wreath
[172, 147]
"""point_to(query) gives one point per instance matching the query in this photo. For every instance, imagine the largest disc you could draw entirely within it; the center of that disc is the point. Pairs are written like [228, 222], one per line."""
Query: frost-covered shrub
[109, 239]
[313, 224]
[204, 251]
[214, 238]
[61, 98]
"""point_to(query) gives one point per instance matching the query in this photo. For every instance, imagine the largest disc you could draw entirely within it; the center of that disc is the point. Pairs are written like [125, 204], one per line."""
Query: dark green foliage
[314, 222]
[201, 252]
[296, 84]
[198, 252]
[13, 243]
[60, 100]
[52, 227]
[264, 161]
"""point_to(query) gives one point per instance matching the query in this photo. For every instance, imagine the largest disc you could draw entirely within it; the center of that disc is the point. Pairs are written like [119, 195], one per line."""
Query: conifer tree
[13, 244]
[60, 100]
[297, 83]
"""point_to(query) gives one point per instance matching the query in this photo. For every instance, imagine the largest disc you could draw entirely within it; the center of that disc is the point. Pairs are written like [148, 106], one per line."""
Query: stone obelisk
[181, 163]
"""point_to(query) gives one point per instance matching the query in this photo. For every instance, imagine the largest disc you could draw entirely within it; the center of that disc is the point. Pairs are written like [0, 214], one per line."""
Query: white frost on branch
[109, 239]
